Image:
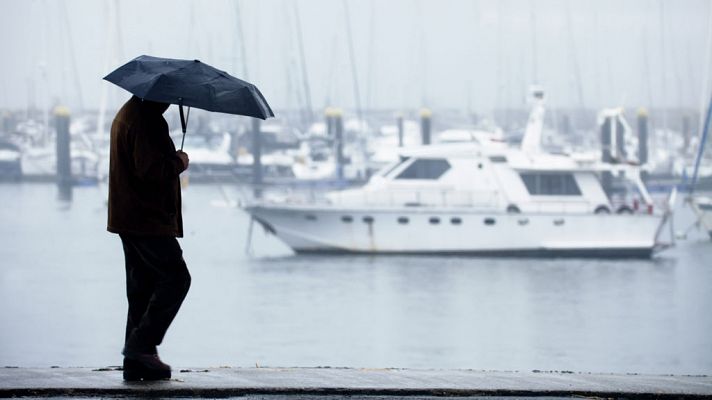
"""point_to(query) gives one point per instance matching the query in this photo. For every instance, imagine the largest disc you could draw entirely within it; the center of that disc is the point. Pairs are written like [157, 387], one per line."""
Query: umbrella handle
[183, 121]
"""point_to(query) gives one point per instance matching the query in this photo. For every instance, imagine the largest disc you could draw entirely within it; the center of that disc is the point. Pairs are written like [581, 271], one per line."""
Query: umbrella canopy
[190, 83]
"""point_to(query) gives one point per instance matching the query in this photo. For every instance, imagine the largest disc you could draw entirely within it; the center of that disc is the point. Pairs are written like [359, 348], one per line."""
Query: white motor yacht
[466, 198]
[479, 198]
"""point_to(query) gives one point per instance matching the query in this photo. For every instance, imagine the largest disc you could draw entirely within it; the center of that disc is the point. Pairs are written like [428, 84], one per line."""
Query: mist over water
[474, 55]
[62, 300]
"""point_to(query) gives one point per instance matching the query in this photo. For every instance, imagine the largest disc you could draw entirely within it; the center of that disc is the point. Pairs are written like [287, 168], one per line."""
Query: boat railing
[447, 198]
[426, 197]
[560, 207]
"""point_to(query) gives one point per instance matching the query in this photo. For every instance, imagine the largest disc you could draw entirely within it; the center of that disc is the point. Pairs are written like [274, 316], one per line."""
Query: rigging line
[105, 67]
[241, 41]
[72, 55]
[354, 72]
[663, 61]
[596, 55]
[574, 57]
[330, 96]
[118, 49]
[706, 121]
[499, 87]
[648, 82]
[701, 147]
[303, 63]
[708, 64]
[472, 59]
[676, 58]
[646, 68]
[289, 65]
[369, 72]
[532, 18]
[422, 54]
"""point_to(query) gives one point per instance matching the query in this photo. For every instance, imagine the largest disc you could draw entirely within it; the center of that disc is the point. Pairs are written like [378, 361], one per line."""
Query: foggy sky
[478, 54]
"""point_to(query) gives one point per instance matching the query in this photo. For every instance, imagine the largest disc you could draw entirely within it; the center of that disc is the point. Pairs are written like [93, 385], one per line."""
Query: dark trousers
[157, 281]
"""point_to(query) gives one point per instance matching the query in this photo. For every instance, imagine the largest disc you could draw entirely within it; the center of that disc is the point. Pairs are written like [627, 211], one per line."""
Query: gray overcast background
[478, 54]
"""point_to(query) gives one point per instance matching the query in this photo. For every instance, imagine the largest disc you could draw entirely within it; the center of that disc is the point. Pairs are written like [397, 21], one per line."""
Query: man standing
[145, 210]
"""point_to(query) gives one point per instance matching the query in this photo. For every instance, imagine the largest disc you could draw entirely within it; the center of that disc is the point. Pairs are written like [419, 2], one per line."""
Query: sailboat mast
[705, 94]
[708, 64]
[498, 92]
[574, 58]
[663, 61]
[532, 18]
[241, 41]
[354, 73]
[701, 146]
[72, 55]
[369, 71]
[303, 64]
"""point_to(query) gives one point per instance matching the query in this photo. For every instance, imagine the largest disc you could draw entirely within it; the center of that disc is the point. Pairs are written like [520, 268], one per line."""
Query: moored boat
[472, 199]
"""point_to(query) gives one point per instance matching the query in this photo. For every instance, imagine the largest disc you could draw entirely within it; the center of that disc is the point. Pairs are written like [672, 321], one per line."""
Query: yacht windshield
[425, 168]
[389, 168]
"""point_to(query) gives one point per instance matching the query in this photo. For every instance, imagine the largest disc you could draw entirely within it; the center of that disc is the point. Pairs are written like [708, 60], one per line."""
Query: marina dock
[351, 382]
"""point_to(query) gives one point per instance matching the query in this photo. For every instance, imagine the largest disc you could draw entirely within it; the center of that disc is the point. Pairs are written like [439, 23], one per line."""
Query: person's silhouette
[145, 210]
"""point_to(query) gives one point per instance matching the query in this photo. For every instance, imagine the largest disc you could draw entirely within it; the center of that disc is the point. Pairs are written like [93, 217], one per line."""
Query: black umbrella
[190, 83]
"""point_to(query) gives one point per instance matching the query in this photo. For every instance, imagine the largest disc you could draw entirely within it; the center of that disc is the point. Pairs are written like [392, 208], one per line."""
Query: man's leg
[139, 287]
[164, 258]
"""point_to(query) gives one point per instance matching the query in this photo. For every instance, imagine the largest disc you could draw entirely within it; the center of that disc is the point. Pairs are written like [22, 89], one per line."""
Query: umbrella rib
[165, 74]
[156, 80]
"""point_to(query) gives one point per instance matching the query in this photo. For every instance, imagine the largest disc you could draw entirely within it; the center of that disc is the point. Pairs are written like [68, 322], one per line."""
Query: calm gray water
[62, 300]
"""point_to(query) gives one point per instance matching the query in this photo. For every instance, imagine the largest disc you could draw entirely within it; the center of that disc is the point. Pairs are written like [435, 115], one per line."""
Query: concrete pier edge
[236, 382]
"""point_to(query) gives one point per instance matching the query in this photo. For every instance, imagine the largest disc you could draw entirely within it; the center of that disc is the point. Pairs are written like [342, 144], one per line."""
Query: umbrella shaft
[183, 122]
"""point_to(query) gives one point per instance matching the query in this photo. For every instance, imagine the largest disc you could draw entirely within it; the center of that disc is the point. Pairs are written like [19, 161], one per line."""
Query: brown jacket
[144, 185]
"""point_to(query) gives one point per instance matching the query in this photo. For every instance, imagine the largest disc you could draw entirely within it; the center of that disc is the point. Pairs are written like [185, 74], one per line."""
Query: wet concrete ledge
[231, 382]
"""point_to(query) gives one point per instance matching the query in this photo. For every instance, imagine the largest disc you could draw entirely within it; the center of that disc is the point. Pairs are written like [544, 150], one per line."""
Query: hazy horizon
[477, 55]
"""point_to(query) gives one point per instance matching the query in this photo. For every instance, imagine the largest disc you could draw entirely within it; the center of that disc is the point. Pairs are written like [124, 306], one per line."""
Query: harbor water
[62, 299]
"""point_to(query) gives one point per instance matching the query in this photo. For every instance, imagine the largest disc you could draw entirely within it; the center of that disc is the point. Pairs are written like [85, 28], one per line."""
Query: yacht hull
[312, 229]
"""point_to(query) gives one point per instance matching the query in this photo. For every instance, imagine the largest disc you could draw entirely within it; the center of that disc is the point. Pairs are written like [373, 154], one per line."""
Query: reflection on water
[62, 300]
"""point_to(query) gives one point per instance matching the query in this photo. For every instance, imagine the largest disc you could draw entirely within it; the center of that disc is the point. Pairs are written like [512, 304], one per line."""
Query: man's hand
[183, 157]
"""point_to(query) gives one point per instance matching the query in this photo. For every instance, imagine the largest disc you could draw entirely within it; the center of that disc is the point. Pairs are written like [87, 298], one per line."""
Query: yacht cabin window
[425, 168]
[550, 184]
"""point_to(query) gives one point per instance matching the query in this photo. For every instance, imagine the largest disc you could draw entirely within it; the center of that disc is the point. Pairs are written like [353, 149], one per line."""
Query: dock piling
[338, 123]
[256, 157]
[399, 122]
[642, 136]
[64, 156]
[425, 126]
[686, 134]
